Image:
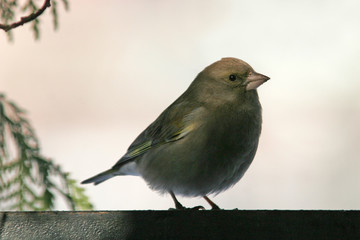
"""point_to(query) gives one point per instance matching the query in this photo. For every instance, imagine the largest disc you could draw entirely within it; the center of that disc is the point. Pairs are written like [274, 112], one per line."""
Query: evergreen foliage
[27, 11]
[29, 180]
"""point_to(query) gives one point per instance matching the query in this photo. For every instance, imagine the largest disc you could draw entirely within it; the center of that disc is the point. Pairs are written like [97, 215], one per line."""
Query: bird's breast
[210, 159]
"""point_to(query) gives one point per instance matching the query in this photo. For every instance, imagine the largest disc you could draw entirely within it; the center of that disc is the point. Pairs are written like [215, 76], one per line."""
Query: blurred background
[112, 67]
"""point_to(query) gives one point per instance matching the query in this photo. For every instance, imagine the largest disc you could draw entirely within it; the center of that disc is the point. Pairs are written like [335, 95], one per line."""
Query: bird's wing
[173, 124]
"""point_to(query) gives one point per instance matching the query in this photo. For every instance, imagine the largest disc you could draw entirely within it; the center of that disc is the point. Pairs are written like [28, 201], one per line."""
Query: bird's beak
[254, 80]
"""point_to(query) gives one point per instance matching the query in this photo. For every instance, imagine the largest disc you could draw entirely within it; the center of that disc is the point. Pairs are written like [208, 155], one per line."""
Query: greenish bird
[204, 142]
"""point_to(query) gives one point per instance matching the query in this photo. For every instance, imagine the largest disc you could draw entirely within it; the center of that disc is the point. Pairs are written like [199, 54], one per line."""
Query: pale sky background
[112, 67]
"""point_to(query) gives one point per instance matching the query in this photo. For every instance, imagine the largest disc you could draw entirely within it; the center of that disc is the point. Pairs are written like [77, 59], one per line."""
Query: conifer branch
[26, 19]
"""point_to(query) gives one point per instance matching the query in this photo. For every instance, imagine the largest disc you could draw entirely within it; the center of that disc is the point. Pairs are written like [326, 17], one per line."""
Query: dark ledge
[256, 224]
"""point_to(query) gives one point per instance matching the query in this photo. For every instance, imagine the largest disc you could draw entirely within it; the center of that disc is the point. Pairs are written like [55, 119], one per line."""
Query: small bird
[204, 142]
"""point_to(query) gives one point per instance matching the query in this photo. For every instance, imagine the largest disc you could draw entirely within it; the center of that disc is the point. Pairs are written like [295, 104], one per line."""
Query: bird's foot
[188, 209]
[212, 204]
[179, 206]
[216, 207]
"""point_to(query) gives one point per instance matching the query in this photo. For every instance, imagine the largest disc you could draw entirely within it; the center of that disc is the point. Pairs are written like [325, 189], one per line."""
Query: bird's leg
[179, 206]
[212, 204]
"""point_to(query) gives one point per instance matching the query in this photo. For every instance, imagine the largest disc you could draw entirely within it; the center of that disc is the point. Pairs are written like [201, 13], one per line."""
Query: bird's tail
[101, 177]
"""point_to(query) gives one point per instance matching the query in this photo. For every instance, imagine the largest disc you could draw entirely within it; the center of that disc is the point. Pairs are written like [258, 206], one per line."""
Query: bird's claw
[197, 208]
[188, 209]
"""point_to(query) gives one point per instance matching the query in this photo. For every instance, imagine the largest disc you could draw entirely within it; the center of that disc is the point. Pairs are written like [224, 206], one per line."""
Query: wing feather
[173, 124]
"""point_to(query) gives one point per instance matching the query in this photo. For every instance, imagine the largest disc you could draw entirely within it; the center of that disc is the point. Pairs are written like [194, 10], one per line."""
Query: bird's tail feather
[101, 177]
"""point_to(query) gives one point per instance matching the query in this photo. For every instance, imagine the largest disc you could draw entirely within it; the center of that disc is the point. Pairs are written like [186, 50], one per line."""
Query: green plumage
[204, 142]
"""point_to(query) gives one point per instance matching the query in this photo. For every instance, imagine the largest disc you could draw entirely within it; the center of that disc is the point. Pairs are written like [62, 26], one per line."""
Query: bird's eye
[232, 77]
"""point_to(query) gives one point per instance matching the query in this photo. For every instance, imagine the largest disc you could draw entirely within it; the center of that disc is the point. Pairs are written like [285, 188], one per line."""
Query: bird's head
[235, 73]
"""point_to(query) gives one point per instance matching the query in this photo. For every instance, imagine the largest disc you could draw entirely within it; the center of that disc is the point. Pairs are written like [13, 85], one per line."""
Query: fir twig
[9, 10]
[28, 180]
[26, 19]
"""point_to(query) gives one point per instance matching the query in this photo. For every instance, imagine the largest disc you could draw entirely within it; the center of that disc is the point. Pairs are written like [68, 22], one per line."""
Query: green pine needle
[28, 180]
